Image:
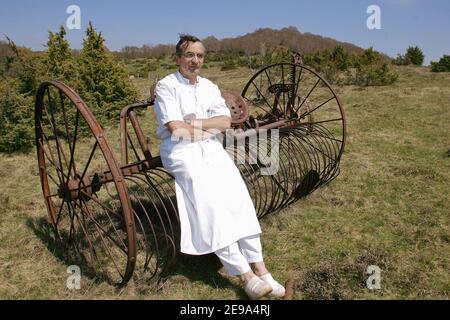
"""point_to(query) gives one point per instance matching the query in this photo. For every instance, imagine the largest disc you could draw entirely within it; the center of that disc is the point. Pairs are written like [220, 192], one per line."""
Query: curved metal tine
[141, 242]
[155, 205]
[122, 245]
[315, 146]
[269, 192]
[327, 156]
[300, 155]
[325, 133]
[314, 156]
[278, 189]
[106, 209]
[151, 184]
[156, 242]
[253, 174]
[106, 234]
[318, 133]
[322, 148]
[294, 166]
[83, 227]
[250, 174]
[143, 233]
[278, 180]
[162, 222]
[289, 175]
[150, 264]
[259, 182]
[293, 153]
[170, 261]
[246, 174]
[167, 186]
[266, 192]
[314, 161]
[326, 110]
[332, 160]
[333, 150]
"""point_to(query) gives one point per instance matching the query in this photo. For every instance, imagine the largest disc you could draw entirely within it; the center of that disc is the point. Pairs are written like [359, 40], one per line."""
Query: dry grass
[389, 207]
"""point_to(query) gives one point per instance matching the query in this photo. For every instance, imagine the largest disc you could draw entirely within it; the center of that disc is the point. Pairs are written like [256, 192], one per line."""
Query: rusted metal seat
[238, 107]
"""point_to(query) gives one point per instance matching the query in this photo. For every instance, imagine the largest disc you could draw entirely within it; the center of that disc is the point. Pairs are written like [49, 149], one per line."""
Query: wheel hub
[77, 188]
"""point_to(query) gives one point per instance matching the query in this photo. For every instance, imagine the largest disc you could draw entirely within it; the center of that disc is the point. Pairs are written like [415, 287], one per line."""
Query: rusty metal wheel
[84, 190]
[293, 91]
[307, 151]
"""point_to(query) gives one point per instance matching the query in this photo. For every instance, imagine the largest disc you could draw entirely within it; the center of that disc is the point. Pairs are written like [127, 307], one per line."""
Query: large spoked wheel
[293, 91]
[84, 190]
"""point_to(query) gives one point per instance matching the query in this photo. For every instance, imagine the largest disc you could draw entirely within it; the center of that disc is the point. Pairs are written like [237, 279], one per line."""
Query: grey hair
[184, 42]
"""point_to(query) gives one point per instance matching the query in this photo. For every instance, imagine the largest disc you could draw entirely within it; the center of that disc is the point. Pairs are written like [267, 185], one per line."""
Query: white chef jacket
[214, 205]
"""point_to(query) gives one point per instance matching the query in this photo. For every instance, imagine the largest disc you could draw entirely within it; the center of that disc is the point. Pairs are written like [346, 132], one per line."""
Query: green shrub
[340, 58]
[228, 65]
[101, 82]
[401, 61]
[378, 74]
[104, 84]
[59, 62]
[442, 66]
[415, 55]
[16, 116]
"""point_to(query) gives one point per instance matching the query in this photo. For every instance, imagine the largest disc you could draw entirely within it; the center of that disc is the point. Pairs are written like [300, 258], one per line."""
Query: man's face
[190, 61]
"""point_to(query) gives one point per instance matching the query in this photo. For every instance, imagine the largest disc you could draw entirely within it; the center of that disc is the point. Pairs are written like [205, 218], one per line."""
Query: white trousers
[236, 258]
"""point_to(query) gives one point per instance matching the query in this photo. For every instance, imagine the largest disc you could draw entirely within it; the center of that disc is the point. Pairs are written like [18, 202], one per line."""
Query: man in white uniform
[215, 208]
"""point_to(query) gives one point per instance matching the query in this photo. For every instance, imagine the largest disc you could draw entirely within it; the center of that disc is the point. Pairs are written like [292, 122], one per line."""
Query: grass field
[389, 207]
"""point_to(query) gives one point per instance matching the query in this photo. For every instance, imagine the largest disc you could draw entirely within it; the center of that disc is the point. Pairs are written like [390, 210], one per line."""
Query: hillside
[290, 37]
[251, 43]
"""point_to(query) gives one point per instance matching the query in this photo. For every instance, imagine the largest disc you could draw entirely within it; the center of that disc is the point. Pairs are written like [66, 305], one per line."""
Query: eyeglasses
[191, 55]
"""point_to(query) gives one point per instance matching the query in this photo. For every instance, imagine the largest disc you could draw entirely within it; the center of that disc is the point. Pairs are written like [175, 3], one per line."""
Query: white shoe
[256, 288]
[278, 290]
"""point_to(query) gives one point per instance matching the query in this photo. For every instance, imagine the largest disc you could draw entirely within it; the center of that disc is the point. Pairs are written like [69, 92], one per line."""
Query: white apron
[214, 205]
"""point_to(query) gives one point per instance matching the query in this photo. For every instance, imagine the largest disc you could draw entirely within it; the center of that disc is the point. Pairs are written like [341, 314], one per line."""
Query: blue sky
[138, 22]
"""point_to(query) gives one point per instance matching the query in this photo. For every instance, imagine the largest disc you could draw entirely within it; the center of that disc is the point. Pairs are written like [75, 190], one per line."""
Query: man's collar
[184, 80]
